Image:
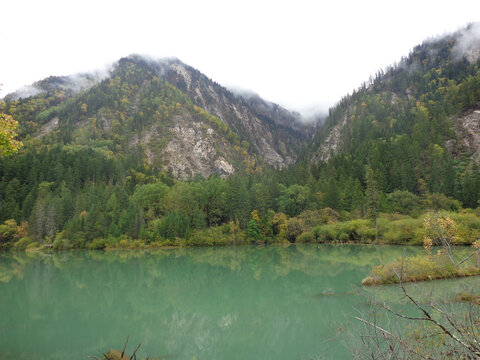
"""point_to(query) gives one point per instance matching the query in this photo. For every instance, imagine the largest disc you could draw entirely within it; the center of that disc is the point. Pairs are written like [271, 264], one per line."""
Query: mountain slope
[275, 132]
[415, 124]
[173, 117]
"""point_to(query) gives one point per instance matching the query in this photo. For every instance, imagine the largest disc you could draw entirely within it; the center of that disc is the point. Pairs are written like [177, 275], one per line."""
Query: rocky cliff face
[276, 133]
[193, 148]
[331, 144]
[467, 129]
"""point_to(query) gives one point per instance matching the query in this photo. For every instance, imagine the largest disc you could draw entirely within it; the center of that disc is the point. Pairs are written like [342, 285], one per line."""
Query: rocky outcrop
[467, 128]
[193, 148]
[276, 133]
[48, 128]
[191, 151]
[331, 145]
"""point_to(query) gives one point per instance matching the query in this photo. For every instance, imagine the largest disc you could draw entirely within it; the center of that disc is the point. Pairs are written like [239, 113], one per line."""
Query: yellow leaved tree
[8, 143]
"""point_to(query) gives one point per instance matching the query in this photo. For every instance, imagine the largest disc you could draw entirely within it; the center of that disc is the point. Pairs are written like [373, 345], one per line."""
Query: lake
[249, 302]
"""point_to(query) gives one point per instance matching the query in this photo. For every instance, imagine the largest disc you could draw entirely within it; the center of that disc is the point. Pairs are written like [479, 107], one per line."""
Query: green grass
[417, 268]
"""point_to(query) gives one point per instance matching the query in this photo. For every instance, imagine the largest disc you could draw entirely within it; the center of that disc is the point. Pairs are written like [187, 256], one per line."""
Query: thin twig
[124, 347]
[454, 324]
[468, 257]
[133, 355]
[401, 315]
[376, 327]
[385, 332]
[441, 326]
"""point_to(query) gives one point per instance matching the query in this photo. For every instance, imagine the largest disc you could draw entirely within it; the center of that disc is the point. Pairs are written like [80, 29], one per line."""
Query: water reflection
[207, 303]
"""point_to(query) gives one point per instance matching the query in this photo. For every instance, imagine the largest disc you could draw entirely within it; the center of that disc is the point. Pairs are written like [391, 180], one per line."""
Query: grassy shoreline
[468, 272]
[419, 268]
[308, 227]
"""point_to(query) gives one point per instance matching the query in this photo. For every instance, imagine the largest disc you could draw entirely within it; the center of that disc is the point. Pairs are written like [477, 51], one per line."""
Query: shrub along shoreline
[418, 268]
[438, 229]
[311, 226]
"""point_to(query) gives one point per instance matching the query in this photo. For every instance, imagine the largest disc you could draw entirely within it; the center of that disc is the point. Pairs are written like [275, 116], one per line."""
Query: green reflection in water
[205, 303]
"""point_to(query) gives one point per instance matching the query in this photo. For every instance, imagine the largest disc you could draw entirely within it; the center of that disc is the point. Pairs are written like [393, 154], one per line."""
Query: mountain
[104, 157]
[416, 124]
[276, 133]
[171, 116]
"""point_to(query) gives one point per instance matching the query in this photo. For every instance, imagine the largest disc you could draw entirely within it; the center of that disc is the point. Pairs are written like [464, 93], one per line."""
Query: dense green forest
[82, 183]
[401, 122]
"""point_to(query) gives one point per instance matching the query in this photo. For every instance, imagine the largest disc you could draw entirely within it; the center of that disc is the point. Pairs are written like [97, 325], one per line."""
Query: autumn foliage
[8, 143]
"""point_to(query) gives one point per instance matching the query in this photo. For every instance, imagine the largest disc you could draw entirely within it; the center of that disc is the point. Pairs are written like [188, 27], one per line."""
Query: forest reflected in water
[189, 303]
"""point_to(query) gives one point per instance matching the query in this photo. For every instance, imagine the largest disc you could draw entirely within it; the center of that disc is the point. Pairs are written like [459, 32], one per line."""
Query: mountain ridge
[414, 123]
[267, 133]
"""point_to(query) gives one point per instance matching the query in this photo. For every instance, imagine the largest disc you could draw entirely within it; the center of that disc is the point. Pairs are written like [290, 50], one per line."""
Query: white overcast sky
[301, 54]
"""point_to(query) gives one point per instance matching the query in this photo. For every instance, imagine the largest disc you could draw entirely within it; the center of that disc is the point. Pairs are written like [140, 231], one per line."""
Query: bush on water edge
[439, 229]
[393, 229]
[418, 268]
[319, 226]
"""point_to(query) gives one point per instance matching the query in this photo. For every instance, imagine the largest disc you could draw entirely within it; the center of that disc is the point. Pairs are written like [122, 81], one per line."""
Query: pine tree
[372, 194]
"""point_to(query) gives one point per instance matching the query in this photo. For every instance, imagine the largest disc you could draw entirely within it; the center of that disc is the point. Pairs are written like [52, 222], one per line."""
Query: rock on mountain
[467, 129]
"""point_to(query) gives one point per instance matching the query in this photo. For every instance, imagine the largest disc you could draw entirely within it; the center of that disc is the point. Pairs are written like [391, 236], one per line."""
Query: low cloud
[159, 64]
[75, 83]
[243, 92]
[24, 92]
[468, 43]
[314, 114]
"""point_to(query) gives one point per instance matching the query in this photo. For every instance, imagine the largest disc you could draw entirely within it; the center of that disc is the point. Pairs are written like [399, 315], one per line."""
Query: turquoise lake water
[278, 303]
